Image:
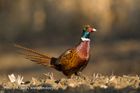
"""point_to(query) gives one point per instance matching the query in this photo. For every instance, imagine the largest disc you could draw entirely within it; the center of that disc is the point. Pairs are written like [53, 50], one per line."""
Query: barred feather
[35, 56]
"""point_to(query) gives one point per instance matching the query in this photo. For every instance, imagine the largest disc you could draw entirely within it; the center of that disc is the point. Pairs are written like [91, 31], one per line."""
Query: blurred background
[52, 26]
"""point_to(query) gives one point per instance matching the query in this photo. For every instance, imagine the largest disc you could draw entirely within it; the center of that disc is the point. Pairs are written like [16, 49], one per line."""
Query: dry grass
[95, 83]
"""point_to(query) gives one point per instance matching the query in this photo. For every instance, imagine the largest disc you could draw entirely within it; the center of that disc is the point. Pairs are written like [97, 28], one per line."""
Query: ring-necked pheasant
[72, 61]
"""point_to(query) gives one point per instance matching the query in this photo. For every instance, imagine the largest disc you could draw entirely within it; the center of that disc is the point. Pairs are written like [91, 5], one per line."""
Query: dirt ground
[96, 83]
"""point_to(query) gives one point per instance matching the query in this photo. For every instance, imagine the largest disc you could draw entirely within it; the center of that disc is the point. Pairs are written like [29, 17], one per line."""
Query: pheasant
[72, 61]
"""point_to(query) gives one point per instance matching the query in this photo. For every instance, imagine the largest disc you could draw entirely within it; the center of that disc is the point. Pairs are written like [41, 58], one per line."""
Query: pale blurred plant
[18, 80]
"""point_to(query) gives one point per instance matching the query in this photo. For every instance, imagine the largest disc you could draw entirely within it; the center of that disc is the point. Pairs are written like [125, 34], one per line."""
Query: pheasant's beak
[94, 30]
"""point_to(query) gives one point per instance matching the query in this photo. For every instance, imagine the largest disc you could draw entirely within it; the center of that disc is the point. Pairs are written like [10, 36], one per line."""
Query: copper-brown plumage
[70, 62]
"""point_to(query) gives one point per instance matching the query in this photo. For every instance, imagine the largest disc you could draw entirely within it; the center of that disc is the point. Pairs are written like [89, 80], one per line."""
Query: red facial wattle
[91, 29]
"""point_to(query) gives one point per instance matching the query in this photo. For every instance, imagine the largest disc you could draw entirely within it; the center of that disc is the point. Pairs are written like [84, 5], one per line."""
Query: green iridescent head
[87, 29]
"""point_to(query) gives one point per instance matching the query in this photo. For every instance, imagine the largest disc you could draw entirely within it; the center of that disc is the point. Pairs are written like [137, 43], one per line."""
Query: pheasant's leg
[80, 75]
[68, 74]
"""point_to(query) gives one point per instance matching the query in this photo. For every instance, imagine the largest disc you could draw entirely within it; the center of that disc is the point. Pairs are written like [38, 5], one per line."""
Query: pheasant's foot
[80, 75]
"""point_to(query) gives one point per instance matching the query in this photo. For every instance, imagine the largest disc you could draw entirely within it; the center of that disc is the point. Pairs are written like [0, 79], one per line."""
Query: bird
[71, 62]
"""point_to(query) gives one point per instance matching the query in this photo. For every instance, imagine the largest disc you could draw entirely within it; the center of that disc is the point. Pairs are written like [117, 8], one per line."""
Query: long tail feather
[35, 56]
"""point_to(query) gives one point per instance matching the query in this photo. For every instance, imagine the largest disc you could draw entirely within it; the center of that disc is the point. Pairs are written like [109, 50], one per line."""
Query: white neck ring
[85, 39]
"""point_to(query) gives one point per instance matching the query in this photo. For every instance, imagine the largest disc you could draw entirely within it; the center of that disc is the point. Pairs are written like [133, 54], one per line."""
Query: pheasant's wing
[35, 56]
[70, 59]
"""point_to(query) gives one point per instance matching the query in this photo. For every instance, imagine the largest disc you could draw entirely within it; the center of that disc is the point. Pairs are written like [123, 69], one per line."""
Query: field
[51, 27]
[109, 81]
[96, 83]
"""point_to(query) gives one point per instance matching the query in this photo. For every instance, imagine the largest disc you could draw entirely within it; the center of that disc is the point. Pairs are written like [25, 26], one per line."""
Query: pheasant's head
[87, 29]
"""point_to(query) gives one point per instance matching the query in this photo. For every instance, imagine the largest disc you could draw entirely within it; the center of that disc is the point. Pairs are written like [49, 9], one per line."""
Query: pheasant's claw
[80, 75]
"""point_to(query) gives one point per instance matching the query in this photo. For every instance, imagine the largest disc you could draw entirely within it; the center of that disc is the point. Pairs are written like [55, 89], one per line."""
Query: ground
[96, 83]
